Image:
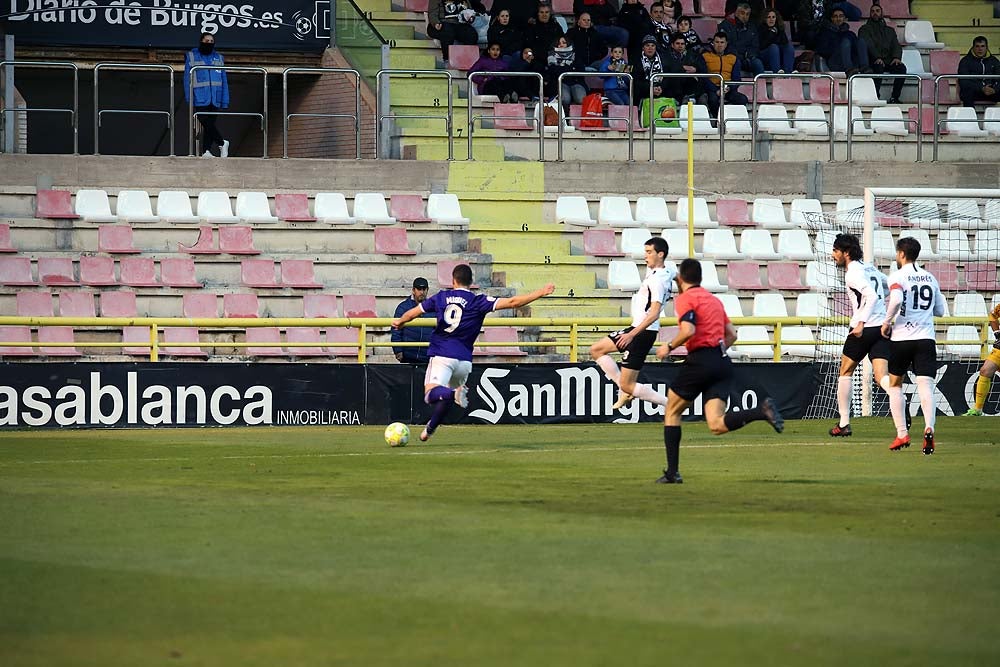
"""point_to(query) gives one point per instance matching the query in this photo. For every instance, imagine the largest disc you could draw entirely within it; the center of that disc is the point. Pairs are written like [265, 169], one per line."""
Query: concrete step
[524, 249]
[428, 148]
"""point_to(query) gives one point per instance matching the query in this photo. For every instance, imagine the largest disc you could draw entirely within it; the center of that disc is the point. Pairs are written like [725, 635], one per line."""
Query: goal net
[959, 236]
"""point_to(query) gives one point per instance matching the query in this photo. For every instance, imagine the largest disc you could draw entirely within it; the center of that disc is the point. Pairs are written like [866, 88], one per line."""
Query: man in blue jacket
[211, 92]
[412, 355]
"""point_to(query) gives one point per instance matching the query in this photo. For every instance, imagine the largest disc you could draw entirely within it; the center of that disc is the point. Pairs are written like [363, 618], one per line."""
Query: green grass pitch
[499, 545]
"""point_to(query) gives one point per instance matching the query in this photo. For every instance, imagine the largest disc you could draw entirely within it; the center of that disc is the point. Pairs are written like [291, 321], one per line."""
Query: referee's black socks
[672, 443]
[737, 420]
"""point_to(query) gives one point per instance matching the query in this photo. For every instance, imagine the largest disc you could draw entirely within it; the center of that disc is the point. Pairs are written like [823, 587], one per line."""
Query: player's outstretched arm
[411, 314]
[520, 300]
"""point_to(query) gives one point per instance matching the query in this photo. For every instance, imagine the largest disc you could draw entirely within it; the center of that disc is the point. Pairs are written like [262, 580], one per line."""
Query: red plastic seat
[499, 335]
[946, 274]
[733, 212]
[944, 62]
[205, 245]
[744, 276]
[122, 304]
[97, 271]
[320, 305]
[444, 270]
[562, 7]
[787, 91]
[927, 122]
[293, 207]
[947, 94]
[299, 273]
[666, 335]
[138, 272]
[77, 304]
[618, 113]
[784, 276]
[462, 56]
[343, 335]
[40, 304]
[269, 336]
[407, 208]
[54, 204]
[15, 335]
[115, 239]
[359, 305]
[195, 305]
[5, 245]
[819, 91]
[600, 243]
[981, 277]
[239, 305]
[56, 271]
[16, 271]
[416, 5]
[514, 118]
[258, 273]
[200, 305]
[304, 335]
[34, 304]
[237, 240]
[178, 272]
[392, 241]
[896, 9]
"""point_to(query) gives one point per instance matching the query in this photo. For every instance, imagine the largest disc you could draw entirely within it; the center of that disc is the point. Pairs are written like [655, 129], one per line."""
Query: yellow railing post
[154, 342]
[362, 343]
[777, 341]
[573, 334]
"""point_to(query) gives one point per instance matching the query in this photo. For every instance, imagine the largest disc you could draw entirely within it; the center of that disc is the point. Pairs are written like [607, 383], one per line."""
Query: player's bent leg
[766, 411]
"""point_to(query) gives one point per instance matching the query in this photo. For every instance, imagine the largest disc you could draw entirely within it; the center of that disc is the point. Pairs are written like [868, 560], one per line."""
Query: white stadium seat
[331, 208]
[769, 213]
[702, 122]
[811, 119]
[971, 304]
[810, 304]
[953, 244]
[840, 121]
[634, 241]
[824, 242]
[175, 206]
[623, 275]
[964, 213]
[254, 208]
[769, 305]
[702, 219]
[807, 213]
[963, 121]
[710, 277]
[370, 209]
[832, 341]
[677, 242]
[720, 244]
[991, 120]
[773, 118]
[652, 212]
[214, 207]
[889, 120]
[863, 93]
[794, 244]
[737, 119]
[444, 209]
[93, 206]
[850, 211]
[991, 210]
[573, 210]
[920, 35]
[754, 332]
[924, 213]
[133, 206]
[963, 332]
[885, 247]
[988, 245]
[615, 212]
[731, 303]
[914, 64]
[797, 349]
[757, 244]
[821, 278]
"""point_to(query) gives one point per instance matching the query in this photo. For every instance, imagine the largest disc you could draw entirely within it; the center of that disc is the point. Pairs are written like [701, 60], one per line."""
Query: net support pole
[690, 156]
[868, 248]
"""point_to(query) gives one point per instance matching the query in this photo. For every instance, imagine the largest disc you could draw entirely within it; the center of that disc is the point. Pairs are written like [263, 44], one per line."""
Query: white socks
[610, 367]
[647, 393]
[844, 399]
[896, 408]
[884, 383]
[925, 387]
[641, 391]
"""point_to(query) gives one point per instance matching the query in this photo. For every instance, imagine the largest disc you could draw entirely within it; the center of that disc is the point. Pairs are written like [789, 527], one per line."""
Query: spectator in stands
[843, 51]
[412, 355]
[648, 61]
[211, 92]
[756, 8]
[525, 61]
[672, 11]
[590, 47]
[634, 18]
[693, 39]
[503, 32]
[809, 19]
[448, 27]
[603, 14]
[851, 11]
[776, 52]
[680, 59]
[494, 61]
[615, 87]
[718, 61]
[884, 51]
[979, 61]
[663, 27]
[521, 11]
[562, 59]
[743, 40]
[543, 32]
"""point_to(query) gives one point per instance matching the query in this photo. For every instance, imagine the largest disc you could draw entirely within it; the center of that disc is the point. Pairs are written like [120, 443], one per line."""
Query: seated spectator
[494, 61]
[562, 59]
[978, 61]
[525, 61]
[776, 52]
[681, 59]
[446, 24]
[884, 51]
[479, 19]
[503, 32]
[692, 38]
[634, 18]
[851, 12]
[645, 63]
[843, 51]
[743, 41]
[521, 11]
[663, 27]
[615, 87]
[672, 12]
[810, 16]
[718, 61]
[590, 47]
[603, 14]
[543, 31]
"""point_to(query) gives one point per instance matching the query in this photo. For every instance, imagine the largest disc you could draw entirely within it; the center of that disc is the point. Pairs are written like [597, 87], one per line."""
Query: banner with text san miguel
[262, 25]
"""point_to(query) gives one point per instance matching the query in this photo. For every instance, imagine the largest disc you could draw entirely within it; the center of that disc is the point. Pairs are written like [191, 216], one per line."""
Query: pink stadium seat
[981, 277]
[842, 305]
[359, 305]
[299, 273]
[666, 335]
[178, 272]
[258, 273]
[56, 271]
[205, 245]
[617, 113]
[407, 208]
[600, 243]
[16, 271]
[784, 276]
[444, 269]
[200, 305]
[343, 335]
[77, 304]
[947, 94]
[320, 305]
[305, 335]
[787, 91]
[513, 117]
[34, 304]
[56, 335]
[744, 276]
[946, 274]
[392, 241]
[195, 305]
[54, 204]
[240, 305]
[293, 208]
[712, 8]
[138, 272]
[927, 122]
[944, 62]
[237, 240]
[115, 239]
[762, 96]
[246, 306]
[819, 91]
[39, 304]
[705, 27]
[97, 271]
[122, 304]
[733, 212]
[462, 56]
[896, 9]
[265, 335]
[5, 245]
[416, 5]
[563, 7]
[500, 335]
[15, 335]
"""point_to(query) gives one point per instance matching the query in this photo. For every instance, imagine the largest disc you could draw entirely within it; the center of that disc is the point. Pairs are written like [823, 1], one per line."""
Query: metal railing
[937, 102]
[722, 105]
[73, 111]
[755, 120]
[98, 112]
[381, 104]
[286, 117]
[918, 122]
[539, 121]
[563, 118]
[228, 68]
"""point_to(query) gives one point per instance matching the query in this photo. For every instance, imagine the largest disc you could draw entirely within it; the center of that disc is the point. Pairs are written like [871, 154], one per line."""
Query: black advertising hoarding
[262, 25]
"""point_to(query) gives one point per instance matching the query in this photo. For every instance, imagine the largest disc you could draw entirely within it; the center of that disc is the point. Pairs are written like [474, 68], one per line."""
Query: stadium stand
[293, 207]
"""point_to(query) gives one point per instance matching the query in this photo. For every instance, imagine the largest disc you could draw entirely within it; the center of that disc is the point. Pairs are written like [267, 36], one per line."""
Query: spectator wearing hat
[412, 355]
[645, 63]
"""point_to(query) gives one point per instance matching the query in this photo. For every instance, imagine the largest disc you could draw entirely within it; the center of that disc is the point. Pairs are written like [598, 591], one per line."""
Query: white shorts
[447, 372]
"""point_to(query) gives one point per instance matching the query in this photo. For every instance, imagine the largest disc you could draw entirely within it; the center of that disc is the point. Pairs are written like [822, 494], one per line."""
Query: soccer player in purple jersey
[460, 314]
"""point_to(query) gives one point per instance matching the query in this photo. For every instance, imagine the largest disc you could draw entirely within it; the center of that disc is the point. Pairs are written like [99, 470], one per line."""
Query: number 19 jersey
[460, 315]
[922, 300]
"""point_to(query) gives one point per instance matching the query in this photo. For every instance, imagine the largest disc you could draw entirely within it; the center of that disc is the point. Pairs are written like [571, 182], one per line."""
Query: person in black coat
[590, 47]
[541, 34]
[503, 32]
[634, 18]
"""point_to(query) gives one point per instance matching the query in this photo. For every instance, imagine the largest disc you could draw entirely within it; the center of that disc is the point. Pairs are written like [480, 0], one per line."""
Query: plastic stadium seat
[666, 335]
[773, 118]
[510, 116]
[5, 245]
[821, 278]
[769, 212]
[293, 207]
[811, 119]
[618, 114]
[761, 93]
[504, 341]
[784, 276]
[702, 219]
[715, 8]
[710, 277]
[34, 304]
[946, 274]
[797, 349]
[40, 304]
[920, 34]
[444, 209]
[240, 305]
[889, 120]
[964, 213]
[652, 212]
[811, 304]
[634, 241]
[258, 273]
[944, 62]
[677, 241]
[574, 210]
[991, 121]
[927, 120]
[736, 119]
[116, 240]
[769, 305]
[884, 246]
[331, 208]
[733, 212]
[407, 208]
[953, 244]
[717, 244]
[445, 269]
[214, 207]
[787, 91]
[343, 335]
[254, 208]
[924, 213]
[178, 272]
[702, 120]
[370, 209]
[864, 93]
[359, 305]
[16, 271]
[462, 56]
[964, 122]
[981, 276]
[320, 305]
[757, 244]
[122, 304]
[304, 335]
[824, 241]
[987, 243]
[195, 305]
[947, 92]
[237, 240]
[831, 341]
[77, 304]
[850, 210]
[56, 271]
[246, 306]
[753, 332]
[840, 121]
[623, 275]
[615, 211]
[416, 5]
[600, 243]
[731, 303]
[963, 332]
[392, 241]
[914, 63]
[806, 213]
[93, 206]
[138, 272]
[55, 205]
[299, 273]
[97, 271]
[794, 244]
[205, 245]
[969, 305]
[819, 91]
[175, 206]
[269, 339]
[133, 207]
[744, 276]
[926, 249]
[991, 210]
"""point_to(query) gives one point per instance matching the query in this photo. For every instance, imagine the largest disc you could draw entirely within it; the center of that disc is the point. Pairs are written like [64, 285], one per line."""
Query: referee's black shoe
[671, 478]
[839, 431]
[772, 415]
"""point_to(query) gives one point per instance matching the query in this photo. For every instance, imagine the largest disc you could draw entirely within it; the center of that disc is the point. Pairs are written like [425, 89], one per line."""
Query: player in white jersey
[866, 290]
[915, 299]
[636, 340]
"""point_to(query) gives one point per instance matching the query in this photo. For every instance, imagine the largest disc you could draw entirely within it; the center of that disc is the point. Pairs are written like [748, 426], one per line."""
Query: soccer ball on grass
[397, 434]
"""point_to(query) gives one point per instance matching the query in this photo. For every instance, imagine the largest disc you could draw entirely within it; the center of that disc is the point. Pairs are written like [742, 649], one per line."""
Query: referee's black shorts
[921, 355]
[706, 371]
[871, 343]
[634, 356]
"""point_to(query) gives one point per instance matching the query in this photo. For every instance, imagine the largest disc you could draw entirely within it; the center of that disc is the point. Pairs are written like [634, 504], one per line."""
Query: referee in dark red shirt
[706, 331]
